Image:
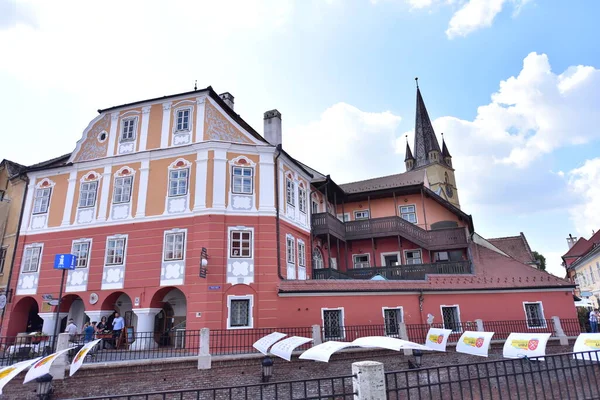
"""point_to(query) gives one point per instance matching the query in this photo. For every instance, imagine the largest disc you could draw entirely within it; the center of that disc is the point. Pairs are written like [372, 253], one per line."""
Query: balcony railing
[399, 272]
[441, 239]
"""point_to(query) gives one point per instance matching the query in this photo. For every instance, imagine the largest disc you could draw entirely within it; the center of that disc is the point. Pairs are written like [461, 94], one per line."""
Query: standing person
[594, 320]
[118, 325]
[71, 330]
[88, 331]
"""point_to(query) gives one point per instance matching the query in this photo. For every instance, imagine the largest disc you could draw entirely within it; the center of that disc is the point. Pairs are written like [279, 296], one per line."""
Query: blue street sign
[65, 261]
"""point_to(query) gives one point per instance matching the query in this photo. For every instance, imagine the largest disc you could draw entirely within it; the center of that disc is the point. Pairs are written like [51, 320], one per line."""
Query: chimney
[571, 240]
[273, 127]
[227, 98]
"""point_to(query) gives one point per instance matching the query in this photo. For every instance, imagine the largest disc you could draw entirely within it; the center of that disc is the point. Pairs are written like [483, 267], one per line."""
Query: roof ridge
[377, 177]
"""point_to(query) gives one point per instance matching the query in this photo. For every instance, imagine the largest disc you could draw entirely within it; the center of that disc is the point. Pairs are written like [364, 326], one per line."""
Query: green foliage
[540, 259]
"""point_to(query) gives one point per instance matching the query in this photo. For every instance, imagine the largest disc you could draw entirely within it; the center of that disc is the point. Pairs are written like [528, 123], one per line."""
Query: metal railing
[228, 341]
[399, 272]
[557, 376]
[338, 388]
[26, 347]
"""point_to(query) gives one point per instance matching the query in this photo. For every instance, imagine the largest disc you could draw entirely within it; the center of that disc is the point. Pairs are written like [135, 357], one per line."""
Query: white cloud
[475, 14]
[584, 184]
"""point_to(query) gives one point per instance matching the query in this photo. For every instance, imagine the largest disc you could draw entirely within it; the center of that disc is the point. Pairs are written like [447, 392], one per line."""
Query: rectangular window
[122, 193]
[290, 191]
[451, 318]
[31, 259]
[291, 259]
[242, 180]
[174, 244]
[239, 313]
[344, 217]
[183, 119]
[42, 200]
[301, 254]
[128, 129]
[82, 251]
[392, 318]
[178, 182]
[534, 315]
[363, 214]
[115, 251]
[413, 257]
[441, 256]
[3, 251]
[409, 213]
[315, 207]
[361, 261]
[241, 244]
[302, 199]
[333, 324]
[592, 275]
[87, 194]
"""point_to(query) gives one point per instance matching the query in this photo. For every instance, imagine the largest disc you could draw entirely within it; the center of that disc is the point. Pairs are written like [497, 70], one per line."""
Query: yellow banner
[436, 338]
[521, 344]
[474, 341]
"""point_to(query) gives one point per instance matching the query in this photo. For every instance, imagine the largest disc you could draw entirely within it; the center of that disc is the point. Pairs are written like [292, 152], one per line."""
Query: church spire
[427, 148]
[445, 152]
[409, 160]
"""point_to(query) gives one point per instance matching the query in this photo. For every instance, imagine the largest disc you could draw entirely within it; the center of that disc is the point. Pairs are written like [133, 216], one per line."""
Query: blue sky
[514, 84]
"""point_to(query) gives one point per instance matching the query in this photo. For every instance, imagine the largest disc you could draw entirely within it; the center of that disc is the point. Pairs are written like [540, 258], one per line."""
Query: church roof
[445, 152]
[409, 155]
[425, 139]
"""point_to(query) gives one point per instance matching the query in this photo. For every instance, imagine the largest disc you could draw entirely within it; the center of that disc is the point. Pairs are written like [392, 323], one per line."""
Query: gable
[94, 143]
[218, 127]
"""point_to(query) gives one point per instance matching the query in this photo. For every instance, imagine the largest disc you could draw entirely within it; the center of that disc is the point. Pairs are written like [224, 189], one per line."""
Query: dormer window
[128, 129]
[183, 120]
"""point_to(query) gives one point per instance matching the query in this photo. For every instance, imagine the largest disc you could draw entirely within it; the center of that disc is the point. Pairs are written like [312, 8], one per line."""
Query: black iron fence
[557, 376]
[338, 388]
[25, 347]
[240, 341]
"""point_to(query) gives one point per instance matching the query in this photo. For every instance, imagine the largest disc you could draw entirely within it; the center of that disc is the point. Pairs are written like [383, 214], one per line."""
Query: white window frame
[302, 199]
[313, 203]
[406, 258]
[314, 259]
[175, 233]
[541, 308]
[241, 178]
[391, 253]
[250, 299]
[290, 249]
[241, 240]
[189, 122]
[457, 313]
[367, 215]
[89, 252]
[301, 253]
[187, 181]
[342, 320]
[39, 259]
[3, 253]
[38, 208]
[345, 217]
[397, 308]
[87, 191]
[119, 180]
[125, 121]
[116, 238]
[400, 207]
[290, 191]
[361, 255]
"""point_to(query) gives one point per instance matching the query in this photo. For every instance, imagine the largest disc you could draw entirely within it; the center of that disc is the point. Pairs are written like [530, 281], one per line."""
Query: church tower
[428, 156]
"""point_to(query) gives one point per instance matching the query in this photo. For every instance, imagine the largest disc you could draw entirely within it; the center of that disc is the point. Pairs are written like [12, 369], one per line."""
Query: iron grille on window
[451, 319]
[332, 320]
[240, 313]
[393, 317]
[535, 318]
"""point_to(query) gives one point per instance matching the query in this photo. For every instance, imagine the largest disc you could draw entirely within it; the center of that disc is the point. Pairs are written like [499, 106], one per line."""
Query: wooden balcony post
[328, 250]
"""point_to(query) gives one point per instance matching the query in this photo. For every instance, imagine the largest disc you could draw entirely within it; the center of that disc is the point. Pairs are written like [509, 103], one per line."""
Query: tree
[540, 259]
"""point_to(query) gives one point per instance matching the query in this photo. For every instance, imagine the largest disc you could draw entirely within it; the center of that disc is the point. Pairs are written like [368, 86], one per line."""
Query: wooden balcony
[441, 239]
[412, 272]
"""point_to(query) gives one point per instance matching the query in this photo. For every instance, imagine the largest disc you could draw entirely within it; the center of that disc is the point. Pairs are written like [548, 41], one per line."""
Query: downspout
[277, 229]
[14, 255]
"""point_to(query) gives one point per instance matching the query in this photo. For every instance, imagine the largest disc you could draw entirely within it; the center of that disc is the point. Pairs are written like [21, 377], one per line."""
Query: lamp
[267, 368]
[44, 389]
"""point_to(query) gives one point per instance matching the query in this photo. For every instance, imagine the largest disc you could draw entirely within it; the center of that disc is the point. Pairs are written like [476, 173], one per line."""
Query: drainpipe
[12, 262]
[277, 229]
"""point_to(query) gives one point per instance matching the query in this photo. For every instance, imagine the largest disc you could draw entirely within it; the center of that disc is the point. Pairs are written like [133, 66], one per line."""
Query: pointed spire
[445, 152]
[408, 153]
[425, 139]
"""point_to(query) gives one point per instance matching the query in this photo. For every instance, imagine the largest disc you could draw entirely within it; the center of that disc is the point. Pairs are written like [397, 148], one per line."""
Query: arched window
[317, 258]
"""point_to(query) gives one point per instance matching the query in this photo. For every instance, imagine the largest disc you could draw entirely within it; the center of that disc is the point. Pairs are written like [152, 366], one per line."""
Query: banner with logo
[8, 373]
[437, 339]
[284, 348]
[322, 352]
[80, 356]
[519, 345]
[385, 342]
[587, 342]
[264, 343]
[42, 367]
[475, 343]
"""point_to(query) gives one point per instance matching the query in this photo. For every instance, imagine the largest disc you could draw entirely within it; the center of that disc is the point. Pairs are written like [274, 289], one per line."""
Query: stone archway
[24, 317]
[119, 302]
[72, 307]
[171, 316]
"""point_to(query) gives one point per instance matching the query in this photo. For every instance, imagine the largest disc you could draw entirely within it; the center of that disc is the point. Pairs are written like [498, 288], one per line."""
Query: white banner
[587, 342]
[264, 343]
[284, 348]
[322, 352]
[437, 339]
[385, 342]
[476, 343]
[80, 356]
[519, 345]
[42, 367]
[7, 373]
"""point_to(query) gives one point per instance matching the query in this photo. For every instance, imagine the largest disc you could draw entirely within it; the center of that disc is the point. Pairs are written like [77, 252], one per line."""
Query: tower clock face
[449, 191]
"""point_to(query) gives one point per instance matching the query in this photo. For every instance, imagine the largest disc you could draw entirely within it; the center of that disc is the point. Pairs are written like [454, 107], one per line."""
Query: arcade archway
[172, 315]
[24, 317]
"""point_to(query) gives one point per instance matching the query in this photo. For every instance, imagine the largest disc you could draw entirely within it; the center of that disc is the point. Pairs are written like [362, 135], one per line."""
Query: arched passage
[172, 315]
[24, 317]
[74, 307]
[119, 302]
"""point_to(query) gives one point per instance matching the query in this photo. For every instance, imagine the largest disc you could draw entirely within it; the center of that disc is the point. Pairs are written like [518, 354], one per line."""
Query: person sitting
[71, 330]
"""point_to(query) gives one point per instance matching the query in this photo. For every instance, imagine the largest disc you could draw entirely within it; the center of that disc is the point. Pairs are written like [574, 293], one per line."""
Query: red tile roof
[583, 246]
[515, 246]
[492, 271]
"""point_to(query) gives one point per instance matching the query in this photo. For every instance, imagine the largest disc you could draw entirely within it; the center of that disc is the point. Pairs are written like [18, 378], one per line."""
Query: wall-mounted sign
[65, 261]
[214, 287]
[93, 298]
[136, 302]
[46, 297]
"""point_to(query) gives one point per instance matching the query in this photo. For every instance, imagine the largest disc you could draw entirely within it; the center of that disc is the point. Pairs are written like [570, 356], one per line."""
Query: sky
[513, 84]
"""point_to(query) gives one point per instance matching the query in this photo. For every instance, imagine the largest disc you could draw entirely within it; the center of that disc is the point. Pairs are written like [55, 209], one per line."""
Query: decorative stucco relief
[95, 144]
[219, 128]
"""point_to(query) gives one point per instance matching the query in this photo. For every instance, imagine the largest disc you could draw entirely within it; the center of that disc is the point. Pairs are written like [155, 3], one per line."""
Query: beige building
[583, 267]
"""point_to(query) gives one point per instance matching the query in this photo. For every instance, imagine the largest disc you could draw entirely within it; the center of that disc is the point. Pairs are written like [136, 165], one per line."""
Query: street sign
[53, 302]
[46, 297]
[65, 261]
[214, 287]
